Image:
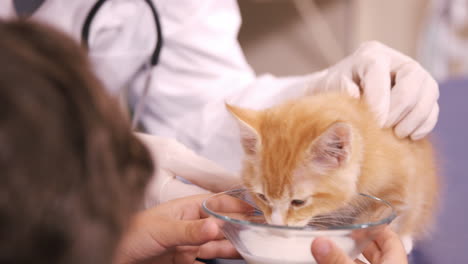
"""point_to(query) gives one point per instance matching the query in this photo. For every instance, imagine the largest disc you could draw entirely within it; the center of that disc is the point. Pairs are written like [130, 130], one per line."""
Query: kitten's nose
[277, 217]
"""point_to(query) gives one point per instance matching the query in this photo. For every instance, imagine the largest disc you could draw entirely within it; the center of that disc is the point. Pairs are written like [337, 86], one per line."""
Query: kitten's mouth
[302, 223]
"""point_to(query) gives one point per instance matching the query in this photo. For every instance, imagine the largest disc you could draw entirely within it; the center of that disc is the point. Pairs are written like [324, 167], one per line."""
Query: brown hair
[71, 170]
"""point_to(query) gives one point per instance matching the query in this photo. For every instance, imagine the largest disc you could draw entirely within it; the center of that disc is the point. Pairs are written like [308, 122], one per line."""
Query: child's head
[71, 170]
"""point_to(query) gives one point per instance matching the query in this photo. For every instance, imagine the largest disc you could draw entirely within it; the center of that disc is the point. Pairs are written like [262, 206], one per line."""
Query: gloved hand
[399, 91]
[174, 159]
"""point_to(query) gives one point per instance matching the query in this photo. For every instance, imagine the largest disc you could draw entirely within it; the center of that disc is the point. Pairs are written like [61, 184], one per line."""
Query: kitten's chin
[299, 223]
[291, 223]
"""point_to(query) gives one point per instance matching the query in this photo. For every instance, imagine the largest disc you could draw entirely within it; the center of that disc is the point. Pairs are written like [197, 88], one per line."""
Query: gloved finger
[339, 82]
[218, 249]
[325, 252]
[380, 51]
[188, 232]
[350, 87]
[406, 92]
[183, 162]
[375, 84]
[164, 186]
[175, 189]
[180, 160]
[428, 125]
[421, 111]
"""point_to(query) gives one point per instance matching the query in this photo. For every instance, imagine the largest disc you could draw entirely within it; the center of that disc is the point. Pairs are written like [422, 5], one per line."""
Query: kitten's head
[300, 162]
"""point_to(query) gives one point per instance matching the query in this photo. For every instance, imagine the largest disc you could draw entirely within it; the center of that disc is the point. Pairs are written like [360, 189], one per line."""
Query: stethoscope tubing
[147, 67]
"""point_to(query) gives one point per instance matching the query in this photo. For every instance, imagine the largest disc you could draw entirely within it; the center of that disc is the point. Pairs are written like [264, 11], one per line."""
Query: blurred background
[291, 37]
[287, 37]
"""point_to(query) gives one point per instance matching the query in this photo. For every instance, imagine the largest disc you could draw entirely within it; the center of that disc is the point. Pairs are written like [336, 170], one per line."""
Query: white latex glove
[399, 91]
[174, 159]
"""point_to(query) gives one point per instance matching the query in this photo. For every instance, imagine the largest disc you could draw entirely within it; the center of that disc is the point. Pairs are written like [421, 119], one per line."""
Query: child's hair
[71, 171]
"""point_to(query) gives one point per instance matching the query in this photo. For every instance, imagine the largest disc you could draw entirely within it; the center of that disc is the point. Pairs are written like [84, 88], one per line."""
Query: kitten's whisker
[337, 217]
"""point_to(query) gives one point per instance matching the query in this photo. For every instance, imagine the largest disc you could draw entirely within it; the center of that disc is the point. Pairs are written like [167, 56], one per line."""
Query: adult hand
[178, 231]
[398, 90]
[386, 248]
[174, 159]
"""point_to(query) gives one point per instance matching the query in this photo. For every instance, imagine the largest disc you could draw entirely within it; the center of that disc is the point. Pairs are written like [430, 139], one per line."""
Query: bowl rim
[384, 221]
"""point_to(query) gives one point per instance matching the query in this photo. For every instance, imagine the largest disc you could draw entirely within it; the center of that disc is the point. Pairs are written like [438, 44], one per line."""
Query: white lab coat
[201, 66]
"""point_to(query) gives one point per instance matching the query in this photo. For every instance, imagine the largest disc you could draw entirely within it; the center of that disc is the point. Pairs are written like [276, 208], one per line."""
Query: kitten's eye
[261, 196]
[337, 145]
[297, 203]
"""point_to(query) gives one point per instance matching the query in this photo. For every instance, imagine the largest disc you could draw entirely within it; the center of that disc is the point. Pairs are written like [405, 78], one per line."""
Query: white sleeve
[202, 66]
[7, 9]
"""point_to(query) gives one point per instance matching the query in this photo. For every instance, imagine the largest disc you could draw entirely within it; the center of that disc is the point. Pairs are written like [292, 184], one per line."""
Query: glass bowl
[351, 228]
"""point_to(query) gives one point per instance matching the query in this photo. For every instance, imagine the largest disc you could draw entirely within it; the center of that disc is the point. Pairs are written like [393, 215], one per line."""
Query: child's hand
[178, 231]
[386, 248]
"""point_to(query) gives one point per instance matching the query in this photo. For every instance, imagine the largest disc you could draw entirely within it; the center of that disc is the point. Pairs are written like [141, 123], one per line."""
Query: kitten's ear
[333, 148]
[247, 120]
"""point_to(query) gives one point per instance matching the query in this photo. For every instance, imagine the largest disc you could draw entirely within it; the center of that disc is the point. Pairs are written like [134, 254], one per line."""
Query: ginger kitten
[311, 156]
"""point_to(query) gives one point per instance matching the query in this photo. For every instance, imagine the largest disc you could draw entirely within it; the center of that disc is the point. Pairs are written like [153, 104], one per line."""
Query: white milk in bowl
[274, 248]
[259, 260]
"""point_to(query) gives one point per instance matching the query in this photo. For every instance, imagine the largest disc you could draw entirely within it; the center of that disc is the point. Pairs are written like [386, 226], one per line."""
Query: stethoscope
[146, 68]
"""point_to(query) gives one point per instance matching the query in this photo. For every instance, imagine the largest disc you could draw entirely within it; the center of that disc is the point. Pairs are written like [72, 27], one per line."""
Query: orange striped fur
[325, 149]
